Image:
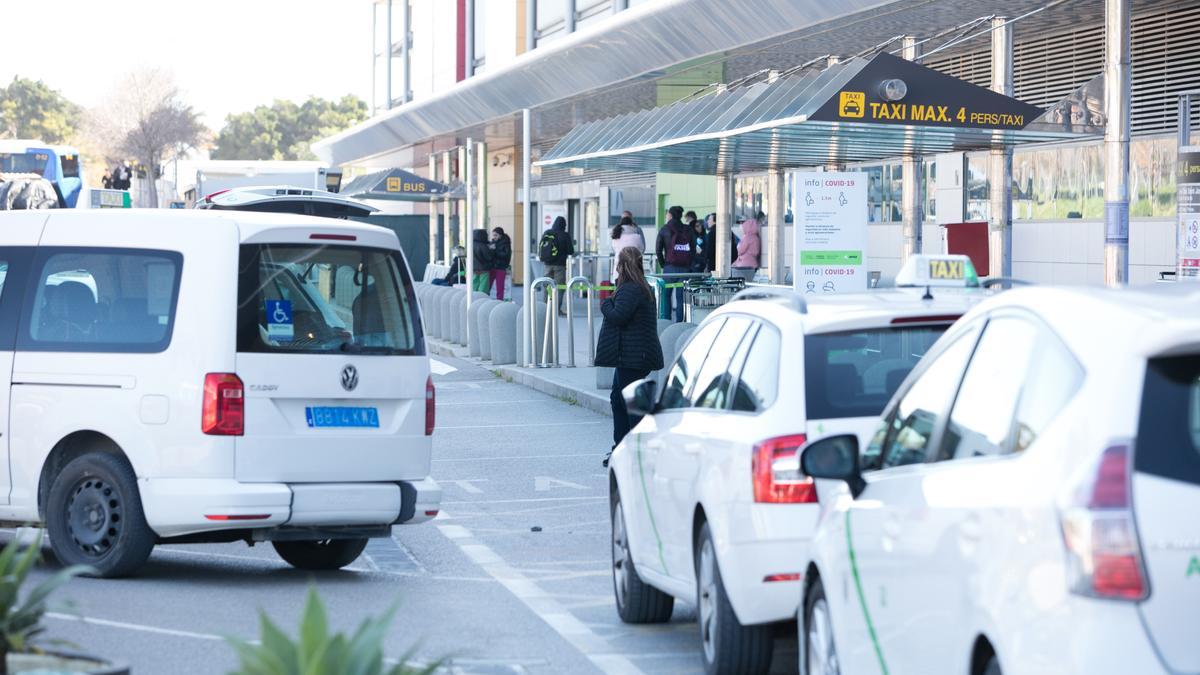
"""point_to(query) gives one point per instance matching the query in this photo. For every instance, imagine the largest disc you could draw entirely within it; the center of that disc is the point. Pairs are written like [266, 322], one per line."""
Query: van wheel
[323, 554]
[992, 667]
[729, 647]
[94, 516]
[637, 601]
[816, 630]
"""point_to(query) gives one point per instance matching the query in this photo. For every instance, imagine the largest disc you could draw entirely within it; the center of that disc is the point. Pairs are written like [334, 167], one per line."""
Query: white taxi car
[183, 376]
[1029, 503]
[708, 503]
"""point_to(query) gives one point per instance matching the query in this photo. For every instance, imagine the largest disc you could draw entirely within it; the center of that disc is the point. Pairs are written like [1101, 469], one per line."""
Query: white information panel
[550, 211]
[830, 211]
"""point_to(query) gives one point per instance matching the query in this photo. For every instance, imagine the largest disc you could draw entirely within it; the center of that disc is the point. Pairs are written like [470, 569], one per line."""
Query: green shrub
[21, 617]
[317, 652]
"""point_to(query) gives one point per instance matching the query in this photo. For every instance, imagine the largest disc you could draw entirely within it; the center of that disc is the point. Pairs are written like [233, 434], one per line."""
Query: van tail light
[430, 405]
[777, 476]
[1104, 557]
[224, 405]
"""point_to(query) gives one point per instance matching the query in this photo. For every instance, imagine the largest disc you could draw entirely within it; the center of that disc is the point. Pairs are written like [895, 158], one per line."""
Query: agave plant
[21, 617]
[317, 652]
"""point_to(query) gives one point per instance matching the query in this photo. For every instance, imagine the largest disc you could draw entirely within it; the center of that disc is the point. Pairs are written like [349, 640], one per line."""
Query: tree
[31, 109]
[147, 120]
[285, 130]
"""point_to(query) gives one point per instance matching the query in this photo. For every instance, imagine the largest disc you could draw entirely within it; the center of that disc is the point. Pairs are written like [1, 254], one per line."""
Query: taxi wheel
[729, 647]
[94, 516]
[637, 601]
[992, 667]
[322, 554]
[819, 656]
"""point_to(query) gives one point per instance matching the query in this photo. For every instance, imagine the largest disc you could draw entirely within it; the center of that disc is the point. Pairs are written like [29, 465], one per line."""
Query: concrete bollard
[502, 329]
[672, 340]
[664, 324]
[483, 328]
[459, 308]
[446, 312]
[539, 335]
[477, 300]
[430, 307]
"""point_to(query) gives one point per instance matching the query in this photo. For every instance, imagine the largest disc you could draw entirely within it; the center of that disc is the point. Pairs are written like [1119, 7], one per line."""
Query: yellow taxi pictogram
[852, 104]
[393, 184]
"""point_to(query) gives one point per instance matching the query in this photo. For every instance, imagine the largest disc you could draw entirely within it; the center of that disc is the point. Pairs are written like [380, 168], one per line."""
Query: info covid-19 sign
[830, 232]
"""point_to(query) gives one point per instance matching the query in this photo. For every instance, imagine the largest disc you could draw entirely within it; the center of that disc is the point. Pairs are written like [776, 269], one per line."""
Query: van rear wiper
[351, 347]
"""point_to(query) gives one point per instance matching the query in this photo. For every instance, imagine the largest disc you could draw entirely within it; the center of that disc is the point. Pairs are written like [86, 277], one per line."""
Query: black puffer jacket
[502, 252]
[629, 335]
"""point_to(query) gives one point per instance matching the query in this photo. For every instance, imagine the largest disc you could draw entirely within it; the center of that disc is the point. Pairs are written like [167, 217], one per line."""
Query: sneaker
[604, 462]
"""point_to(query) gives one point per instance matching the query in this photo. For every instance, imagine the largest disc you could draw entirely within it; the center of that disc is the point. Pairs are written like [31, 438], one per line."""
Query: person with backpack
[554, 248]
[628, 340]
[482, 256]
[675, 247]
[501, 258]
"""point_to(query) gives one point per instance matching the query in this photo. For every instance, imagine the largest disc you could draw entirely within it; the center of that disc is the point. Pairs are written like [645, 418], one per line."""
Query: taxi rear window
[1168, 443]
[855, 373]
[301, 298]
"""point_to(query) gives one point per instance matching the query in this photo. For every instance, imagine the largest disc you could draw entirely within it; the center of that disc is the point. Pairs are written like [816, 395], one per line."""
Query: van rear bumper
[182, 506]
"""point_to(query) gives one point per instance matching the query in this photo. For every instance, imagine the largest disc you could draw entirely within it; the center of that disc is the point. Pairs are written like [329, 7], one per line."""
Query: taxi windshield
[854, 374]
[326, 299]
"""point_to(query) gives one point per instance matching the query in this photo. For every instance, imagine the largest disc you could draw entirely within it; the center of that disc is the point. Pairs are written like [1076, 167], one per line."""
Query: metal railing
[550, 331]
[572, 284]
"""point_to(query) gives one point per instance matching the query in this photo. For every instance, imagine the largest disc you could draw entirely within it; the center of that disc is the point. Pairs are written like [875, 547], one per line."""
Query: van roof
[248, 224]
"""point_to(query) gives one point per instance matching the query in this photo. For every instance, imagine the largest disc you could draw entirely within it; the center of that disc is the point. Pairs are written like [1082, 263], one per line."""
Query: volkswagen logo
[349, 378]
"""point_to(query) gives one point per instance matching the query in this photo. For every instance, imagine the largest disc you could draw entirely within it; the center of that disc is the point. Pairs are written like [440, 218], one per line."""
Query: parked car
[708, 503]
[1028, 503]
[183, 376]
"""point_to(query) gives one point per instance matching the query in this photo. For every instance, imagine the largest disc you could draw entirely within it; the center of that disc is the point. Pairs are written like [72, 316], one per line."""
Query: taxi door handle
[691, 448]
[971, 528]
[891, 527]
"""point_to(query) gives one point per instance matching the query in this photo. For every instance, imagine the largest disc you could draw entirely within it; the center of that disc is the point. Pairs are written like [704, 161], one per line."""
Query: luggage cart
[702, 296]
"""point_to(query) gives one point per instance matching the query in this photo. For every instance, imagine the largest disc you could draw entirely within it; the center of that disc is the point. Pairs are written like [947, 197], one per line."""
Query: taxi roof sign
[938, 270]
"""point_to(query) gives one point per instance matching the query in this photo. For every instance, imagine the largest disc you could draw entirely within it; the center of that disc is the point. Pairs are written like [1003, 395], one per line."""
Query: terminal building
[453, 74]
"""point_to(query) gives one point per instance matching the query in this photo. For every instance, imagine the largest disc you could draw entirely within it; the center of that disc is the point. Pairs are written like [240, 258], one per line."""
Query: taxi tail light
[430, 405]
[1104, 556]
[776, 470]
[223, 412]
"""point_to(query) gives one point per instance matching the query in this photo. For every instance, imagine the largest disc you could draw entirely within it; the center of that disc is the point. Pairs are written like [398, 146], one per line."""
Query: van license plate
[329, 416]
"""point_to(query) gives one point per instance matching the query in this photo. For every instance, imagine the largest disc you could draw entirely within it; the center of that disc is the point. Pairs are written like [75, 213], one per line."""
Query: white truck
[217, 175]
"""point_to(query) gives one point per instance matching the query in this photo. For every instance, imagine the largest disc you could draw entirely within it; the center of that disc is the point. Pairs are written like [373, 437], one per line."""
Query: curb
[529, 378]
[439, 347]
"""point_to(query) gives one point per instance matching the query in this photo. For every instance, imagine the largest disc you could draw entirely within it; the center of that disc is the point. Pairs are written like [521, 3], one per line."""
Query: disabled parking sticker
[279, 320]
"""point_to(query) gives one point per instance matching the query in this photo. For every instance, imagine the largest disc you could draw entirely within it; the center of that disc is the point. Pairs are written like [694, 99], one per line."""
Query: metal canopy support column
[725, 185]
[776, 214]
[405, 53]
[481, 181]
[469, 40]
[468, 155]
[464, 222]
[1000, 160]
[449, 238]
[433, 214]
[527, 224]
[911, 183]
[619, 5]
[569, 21]
[1116, 142]
[389, 55]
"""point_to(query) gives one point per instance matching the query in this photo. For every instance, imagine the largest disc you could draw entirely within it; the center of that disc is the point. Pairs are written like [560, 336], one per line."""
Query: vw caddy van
[210, 376]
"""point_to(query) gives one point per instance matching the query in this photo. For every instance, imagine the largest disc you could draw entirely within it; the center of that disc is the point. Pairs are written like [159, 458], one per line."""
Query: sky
[226, 55]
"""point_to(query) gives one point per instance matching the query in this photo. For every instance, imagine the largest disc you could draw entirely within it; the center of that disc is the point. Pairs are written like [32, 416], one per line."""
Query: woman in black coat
[629, 336]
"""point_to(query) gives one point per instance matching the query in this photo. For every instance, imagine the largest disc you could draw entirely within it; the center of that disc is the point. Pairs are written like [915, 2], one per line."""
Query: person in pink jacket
[748, 249]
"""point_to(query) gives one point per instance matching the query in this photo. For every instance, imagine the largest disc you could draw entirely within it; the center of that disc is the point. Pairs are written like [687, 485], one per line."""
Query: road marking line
[546, 483]
[526, 425]
[586, 641]
[522, 501]
[465, 484]
[440, 367]
[492, 404]
[134, 626]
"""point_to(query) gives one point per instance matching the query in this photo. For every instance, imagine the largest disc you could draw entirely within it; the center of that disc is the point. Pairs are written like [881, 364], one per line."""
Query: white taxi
[1029, 502]
[708, 503]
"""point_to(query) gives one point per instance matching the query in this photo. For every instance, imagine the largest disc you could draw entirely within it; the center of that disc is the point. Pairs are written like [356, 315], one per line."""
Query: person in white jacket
[626, 234]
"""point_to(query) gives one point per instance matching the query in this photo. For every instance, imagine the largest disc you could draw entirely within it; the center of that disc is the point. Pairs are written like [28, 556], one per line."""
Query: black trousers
[622, 420]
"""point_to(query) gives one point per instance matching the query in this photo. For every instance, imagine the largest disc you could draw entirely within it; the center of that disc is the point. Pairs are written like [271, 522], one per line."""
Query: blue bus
[59, 164]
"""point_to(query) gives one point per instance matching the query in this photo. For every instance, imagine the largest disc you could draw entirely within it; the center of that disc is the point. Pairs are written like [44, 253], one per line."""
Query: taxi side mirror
[639, 397]
[835, 457]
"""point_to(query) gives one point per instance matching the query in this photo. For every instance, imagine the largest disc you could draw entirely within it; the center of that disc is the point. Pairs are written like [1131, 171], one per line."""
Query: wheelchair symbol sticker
[279, 320]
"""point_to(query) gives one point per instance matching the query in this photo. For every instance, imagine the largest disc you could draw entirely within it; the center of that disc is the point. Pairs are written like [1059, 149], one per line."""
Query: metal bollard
[572, 284]
[550, 330]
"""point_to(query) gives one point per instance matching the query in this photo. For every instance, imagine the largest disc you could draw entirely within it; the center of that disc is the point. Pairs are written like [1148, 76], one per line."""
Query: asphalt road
[512, 577]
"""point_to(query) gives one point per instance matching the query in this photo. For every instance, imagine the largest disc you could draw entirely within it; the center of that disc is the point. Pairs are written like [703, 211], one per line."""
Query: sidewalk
[574, 385]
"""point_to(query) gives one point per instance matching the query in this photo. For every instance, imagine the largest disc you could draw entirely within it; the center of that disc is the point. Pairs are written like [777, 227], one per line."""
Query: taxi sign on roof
[938, 270]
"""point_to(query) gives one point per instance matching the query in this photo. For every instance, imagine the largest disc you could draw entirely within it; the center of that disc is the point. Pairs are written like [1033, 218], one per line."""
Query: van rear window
[854, 374]
[1168, 442]
[299, 298]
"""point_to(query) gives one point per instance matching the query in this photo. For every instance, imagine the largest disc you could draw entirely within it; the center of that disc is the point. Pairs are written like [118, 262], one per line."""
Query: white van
[193, 376]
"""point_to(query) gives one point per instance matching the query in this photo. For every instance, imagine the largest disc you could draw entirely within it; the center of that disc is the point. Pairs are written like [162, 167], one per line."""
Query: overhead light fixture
[893, 89]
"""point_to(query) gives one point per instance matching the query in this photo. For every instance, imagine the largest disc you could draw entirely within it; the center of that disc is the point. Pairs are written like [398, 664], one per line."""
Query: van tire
[324, 554]
[91, 492]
